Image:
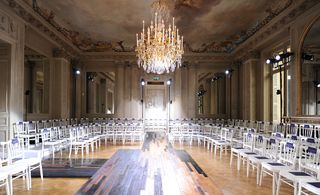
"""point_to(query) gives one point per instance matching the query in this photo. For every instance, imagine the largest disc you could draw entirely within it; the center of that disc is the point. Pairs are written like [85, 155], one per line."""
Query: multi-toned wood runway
[155, 169]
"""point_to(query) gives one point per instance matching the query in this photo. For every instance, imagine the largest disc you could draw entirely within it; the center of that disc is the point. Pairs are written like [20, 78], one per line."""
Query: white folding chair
[286, 161]
[308, 163]
[77, 143]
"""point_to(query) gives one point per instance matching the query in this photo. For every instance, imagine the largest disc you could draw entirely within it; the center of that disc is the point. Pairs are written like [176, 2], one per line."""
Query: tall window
[280, 87]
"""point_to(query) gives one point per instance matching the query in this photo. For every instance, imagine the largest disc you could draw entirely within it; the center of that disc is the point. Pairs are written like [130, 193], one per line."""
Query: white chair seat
[312, 186]
[296, 176]
[246, 154]
[14, 168]
[259, 159]
[293, 177]
[274, 166]
[4, 172]
[30, 161]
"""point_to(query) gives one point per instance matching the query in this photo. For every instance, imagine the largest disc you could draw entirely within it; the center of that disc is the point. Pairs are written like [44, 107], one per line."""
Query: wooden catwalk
[155, 169]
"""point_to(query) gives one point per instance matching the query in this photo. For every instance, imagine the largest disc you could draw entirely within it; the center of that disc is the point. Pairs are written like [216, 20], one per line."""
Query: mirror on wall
[36, 85]
[211, 94]
[100, 92]
[311, 71]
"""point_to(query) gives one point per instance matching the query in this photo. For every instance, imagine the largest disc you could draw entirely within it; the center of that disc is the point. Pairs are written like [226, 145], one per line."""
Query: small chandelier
[159, 48]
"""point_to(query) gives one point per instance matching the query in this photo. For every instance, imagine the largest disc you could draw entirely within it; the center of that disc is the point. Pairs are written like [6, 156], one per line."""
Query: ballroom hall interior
[159, 97]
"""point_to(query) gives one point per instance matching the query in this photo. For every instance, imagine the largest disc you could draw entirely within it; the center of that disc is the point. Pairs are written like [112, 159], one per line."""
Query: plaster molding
[284, 20]
[251, 55]
[45, 20]
[61, 53]
[8, 26]
[28, 15]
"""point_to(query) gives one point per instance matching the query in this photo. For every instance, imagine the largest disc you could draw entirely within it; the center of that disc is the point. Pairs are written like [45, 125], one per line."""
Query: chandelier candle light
[159, 49]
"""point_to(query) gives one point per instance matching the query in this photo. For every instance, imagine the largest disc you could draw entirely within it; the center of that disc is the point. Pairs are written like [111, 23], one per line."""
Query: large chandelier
[160, 47]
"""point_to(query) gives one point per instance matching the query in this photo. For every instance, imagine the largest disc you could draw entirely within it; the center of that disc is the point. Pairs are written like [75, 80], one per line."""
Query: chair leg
[299, 189]
[238, 162]
[41, 171]
[82, 151]
[295, 188]
[215, 149]
[30, 179]
[70, 151]
[258, 172]
[7, 186]
[248, 167]
[10, 184]
[261, 175]
[278, 185]
[53, 151]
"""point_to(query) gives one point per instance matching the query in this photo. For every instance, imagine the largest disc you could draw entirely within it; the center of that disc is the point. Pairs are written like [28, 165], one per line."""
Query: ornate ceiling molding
[243, 51]
[86, 44]
[38, 23]
[7, 25]
[250, 55]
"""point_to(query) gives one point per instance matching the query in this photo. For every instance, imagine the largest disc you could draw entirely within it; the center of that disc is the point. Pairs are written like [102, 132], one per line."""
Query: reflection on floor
[70, 167]
[156, 169]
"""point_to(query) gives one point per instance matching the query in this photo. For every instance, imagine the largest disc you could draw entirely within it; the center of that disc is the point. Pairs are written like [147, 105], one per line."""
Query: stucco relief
[7, 25]
[188, 11]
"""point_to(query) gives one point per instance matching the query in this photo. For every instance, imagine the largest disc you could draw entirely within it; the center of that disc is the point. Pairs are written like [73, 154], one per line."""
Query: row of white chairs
[293, 161]
[16, 162]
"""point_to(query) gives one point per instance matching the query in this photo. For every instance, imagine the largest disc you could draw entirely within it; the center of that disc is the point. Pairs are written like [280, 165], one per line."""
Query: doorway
[155, 101]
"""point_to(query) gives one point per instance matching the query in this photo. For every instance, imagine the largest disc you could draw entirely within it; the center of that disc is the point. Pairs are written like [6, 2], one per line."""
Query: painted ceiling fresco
[111, 25]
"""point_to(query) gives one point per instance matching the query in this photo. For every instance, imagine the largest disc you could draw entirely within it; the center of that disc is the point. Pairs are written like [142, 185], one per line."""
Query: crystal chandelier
[159, 48]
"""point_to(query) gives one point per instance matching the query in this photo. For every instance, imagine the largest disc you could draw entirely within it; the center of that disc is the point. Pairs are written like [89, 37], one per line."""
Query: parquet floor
[157, 169]
[177, 177]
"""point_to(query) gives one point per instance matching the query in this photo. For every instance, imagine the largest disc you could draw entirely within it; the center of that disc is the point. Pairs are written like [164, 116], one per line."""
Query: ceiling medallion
[159, 47]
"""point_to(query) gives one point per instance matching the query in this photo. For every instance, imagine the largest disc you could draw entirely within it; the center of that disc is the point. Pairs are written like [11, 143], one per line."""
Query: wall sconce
[229, 71]
[169, 82]
[279, 57]
[271, 61]
[142, 82]
[308, 57]
[91, 76]
[316, 84]
[201, 93]
[76, 71]
[216, 78]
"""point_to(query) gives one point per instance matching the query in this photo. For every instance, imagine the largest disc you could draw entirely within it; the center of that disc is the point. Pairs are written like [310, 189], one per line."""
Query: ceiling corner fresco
[209, 26]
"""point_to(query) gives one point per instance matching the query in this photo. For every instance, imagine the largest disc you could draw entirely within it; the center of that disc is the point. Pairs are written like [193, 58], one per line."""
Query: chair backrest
[278, 135]
[4, 153]
[16, 150]
[45, 135]
[248, 140]
[272, 148]
[292, 130]
[259, 144]
[306, 131]
[227, 134]
[288, 153]
[19, 128]
[309, 159]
